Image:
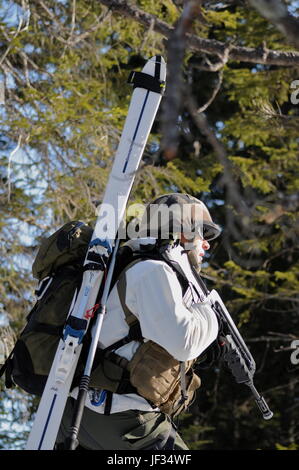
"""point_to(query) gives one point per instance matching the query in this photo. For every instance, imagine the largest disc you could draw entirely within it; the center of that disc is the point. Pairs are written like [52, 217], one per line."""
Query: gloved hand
[213, 353]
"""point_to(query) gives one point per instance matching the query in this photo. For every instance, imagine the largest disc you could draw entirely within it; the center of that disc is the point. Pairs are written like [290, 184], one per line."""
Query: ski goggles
[207, 231]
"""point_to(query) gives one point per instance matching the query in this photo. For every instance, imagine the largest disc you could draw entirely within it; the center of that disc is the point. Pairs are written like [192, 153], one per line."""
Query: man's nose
[205, 245]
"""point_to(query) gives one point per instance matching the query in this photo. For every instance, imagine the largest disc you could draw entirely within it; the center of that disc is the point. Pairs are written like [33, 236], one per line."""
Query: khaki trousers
[128, 430]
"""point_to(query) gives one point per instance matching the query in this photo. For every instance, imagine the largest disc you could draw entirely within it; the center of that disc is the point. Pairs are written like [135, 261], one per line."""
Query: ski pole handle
[71, 442]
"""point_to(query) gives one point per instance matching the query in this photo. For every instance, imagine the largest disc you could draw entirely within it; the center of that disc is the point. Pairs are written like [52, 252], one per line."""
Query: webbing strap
[144, 80]
[6, 363]
[7, 369]
[121, 289]
[169, 445]
[108, 403]
[134, 334]
[184, 395]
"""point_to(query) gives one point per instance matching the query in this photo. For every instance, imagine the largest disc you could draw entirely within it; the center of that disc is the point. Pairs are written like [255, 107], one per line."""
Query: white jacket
[154, 295]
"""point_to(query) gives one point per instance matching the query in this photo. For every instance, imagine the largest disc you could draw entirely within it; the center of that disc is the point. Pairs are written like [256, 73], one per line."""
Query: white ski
[144, 104]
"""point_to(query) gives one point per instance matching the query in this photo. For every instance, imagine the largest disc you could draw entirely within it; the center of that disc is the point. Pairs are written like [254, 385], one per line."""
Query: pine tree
[230, 139]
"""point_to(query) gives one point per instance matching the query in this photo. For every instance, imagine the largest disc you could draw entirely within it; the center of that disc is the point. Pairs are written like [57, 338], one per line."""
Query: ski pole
[72, 442]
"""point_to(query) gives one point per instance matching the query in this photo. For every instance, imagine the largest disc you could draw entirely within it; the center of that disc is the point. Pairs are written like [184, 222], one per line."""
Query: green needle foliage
[64, 67]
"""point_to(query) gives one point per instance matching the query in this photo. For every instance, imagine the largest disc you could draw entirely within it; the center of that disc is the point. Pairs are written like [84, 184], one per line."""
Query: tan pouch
[156, 376]
[174, 406]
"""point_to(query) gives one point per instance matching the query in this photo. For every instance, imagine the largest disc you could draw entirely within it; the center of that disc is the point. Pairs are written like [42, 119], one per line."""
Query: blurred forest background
[227, 132]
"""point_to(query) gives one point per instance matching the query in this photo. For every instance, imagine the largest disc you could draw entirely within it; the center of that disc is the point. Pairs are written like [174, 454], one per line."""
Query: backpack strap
[132, 321]
[122, 289]
[7, 369]
[135, 333]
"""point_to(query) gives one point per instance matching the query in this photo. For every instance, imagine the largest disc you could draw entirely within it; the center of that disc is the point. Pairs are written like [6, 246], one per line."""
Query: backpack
[58, 268]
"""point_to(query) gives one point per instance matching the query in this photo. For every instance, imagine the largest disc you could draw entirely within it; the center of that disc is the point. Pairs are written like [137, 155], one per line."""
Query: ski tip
[157, 59]
[156, 66]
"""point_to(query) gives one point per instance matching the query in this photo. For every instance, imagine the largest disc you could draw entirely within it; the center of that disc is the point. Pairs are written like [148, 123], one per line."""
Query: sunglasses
[210, 231]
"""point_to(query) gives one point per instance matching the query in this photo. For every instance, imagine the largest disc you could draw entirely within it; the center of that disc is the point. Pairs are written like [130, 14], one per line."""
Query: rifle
[237, 355]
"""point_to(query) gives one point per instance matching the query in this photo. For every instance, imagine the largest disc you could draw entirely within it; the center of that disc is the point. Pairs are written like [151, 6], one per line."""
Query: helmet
[170, 215]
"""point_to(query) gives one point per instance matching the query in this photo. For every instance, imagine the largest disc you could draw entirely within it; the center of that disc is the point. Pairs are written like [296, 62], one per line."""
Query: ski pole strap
[144, 80]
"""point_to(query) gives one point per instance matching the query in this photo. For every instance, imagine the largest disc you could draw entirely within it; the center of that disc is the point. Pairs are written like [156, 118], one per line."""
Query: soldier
[155, 329]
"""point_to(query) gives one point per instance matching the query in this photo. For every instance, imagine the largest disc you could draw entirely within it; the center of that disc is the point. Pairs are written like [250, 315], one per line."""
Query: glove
[213, 353]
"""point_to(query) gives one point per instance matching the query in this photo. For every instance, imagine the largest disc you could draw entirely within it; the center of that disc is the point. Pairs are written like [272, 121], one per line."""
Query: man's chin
[195, 261]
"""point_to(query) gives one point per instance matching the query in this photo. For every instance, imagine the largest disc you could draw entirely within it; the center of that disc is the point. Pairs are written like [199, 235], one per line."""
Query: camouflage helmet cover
[178, 213]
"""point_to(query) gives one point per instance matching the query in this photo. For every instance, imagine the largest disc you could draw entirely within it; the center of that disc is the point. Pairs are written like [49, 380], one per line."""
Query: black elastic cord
[144, 80]
[108, 403]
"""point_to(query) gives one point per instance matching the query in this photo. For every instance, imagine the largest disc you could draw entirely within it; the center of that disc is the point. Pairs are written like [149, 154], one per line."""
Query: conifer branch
[277, 13]
[259, 55]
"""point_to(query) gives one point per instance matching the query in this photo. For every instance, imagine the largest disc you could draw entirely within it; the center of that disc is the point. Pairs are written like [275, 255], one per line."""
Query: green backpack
[58, 268]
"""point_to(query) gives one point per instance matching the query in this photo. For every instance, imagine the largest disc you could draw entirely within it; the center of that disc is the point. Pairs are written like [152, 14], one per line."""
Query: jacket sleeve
[154, 295]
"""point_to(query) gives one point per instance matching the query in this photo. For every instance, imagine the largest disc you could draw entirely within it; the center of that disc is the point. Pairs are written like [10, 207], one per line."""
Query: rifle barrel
[261, 402]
